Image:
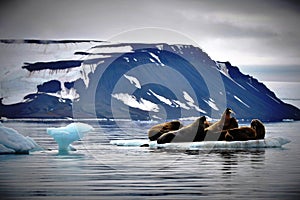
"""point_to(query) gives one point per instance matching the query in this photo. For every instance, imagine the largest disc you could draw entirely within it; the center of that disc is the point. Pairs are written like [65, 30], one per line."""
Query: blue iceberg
[64, 136]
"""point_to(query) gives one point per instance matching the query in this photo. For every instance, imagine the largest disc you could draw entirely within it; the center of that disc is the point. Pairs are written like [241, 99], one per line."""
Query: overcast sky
[246, 33]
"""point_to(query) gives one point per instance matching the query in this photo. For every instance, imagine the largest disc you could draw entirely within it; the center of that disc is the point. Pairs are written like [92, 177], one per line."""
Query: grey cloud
[262, 28]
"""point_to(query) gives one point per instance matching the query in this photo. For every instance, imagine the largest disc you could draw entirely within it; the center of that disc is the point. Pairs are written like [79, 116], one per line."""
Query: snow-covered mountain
[95, 79]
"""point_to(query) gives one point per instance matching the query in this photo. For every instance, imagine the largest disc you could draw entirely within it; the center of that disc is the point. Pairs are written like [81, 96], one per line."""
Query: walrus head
[228, 111]
[200, 134]
[226, 115]
[229, 122]
[259, 127]
[159, 129]
[202, 119]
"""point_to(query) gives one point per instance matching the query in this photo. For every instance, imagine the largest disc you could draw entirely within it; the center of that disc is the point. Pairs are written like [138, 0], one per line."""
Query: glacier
[136, 81]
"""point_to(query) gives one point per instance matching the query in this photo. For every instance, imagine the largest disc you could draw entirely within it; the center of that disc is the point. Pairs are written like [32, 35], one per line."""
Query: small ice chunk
[11, 141]
[64, 136]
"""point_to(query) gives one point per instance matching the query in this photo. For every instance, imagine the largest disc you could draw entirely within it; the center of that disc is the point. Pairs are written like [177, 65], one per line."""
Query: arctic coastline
[79, 85]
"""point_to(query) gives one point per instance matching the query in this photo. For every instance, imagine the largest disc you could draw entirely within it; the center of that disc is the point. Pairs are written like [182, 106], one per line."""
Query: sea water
[288, 92]
[98, 170]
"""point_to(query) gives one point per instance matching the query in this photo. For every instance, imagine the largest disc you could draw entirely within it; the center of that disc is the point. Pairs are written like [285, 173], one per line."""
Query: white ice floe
[64, 136]
[13, 142]
[271, 142]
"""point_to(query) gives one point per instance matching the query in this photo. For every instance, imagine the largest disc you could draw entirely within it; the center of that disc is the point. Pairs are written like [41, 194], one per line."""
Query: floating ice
[64, 136]
[271, 142]
[13, 142]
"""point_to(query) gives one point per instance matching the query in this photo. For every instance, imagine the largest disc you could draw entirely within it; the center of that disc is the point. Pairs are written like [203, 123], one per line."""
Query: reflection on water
[98, 170]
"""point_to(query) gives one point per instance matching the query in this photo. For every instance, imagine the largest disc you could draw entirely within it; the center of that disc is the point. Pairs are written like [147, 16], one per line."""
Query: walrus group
[226, 129]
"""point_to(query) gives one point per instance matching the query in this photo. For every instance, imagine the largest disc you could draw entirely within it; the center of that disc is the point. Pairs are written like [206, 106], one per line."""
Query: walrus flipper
[165, 138]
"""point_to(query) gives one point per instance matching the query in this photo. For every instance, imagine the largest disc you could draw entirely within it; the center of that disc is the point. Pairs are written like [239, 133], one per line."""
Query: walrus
[255, 132]
[156, 131]
[215, 131]
[190, 133]
[259, 127]
[233, 123]
[240, 134]
[230, 123]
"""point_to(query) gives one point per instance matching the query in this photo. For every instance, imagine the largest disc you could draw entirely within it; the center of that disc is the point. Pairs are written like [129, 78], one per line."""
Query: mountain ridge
[141, 82]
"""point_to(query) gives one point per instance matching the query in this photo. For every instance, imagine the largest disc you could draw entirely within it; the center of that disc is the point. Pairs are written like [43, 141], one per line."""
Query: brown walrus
[240, 134]
[255, 132]
[232, 123]
[259, 127]
[215, 131]
[159, 129]
[190, 133]
[200, 129]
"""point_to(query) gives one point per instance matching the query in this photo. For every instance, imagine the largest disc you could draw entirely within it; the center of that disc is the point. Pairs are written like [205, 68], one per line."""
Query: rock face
[135, 81]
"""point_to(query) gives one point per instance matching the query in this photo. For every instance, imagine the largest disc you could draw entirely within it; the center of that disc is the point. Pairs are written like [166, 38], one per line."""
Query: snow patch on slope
[211, 103]
[222, 68]
[191, 102]
[273, 99]
[181, 104]
[112, 48]
[156, 58]
[131, 101]
[241, 101]
[252, 86]
[162, 98]
[133, 80]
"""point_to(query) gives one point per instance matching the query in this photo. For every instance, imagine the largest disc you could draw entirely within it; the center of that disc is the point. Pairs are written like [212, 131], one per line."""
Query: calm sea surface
[286, 91]
[98, 170]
